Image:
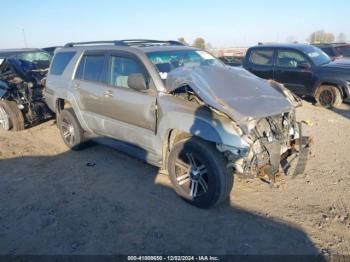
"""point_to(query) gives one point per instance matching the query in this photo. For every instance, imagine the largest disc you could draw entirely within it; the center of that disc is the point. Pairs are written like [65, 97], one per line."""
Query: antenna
[24, 38]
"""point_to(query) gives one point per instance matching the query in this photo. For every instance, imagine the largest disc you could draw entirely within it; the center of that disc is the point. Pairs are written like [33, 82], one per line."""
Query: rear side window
[60, 62]
[261, 57]
[91, 68]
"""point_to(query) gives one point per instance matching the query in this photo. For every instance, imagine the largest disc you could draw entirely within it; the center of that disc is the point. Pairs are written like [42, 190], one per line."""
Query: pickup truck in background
[304, 69]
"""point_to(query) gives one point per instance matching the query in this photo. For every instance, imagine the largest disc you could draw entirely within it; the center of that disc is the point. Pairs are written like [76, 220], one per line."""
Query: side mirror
[303, 65]
[137, 82]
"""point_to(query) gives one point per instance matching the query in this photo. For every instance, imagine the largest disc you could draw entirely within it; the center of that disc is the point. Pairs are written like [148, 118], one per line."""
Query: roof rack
[128, 42]
[93, 43]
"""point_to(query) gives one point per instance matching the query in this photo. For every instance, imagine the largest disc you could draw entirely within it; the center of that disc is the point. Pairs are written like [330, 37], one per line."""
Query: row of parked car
[174, 106]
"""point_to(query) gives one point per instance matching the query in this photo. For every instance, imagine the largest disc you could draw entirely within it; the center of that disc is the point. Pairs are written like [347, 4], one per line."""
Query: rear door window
[60, 62]
[91, 68]
[262, 57]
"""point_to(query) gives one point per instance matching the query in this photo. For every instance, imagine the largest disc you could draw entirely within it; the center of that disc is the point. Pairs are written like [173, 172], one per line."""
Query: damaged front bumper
[269, 158]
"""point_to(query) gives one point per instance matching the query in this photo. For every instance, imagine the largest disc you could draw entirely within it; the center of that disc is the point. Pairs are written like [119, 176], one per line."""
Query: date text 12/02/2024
[173, 258]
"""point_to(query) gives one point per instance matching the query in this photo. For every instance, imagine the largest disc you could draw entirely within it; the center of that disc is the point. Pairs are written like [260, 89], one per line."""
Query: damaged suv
[178, 108]
[21, 83]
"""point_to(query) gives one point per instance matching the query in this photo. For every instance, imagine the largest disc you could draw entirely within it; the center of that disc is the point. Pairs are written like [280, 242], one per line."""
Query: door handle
[108, 93]
[76, 86]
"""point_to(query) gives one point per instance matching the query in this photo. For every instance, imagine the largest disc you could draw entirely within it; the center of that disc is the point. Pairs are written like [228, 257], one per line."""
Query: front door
[293, 70]
[130, 114]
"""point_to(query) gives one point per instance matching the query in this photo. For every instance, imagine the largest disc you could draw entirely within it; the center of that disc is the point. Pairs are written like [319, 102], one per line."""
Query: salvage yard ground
[52, 202]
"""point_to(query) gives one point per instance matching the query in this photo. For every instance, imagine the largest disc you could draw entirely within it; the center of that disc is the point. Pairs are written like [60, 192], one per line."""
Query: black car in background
[304, 69]
[335, 50]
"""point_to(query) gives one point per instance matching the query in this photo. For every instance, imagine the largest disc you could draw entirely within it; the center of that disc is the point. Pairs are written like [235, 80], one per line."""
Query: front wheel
[199, 173]
[11, 118]
[328, 96]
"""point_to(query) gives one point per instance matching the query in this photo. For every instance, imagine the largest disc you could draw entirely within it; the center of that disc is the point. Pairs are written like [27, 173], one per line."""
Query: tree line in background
[199, 42]
[321, 36]
[317, 37]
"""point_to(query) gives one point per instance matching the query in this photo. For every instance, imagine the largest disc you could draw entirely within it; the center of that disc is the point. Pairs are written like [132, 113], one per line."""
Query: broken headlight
[238, 151]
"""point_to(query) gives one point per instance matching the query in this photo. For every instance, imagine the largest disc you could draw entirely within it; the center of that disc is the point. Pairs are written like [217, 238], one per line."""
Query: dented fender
[197, 120]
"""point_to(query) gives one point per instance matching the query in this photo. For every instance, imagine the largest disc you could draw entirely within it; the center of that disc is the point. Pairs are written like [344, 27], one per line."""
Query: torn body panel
[262, 112]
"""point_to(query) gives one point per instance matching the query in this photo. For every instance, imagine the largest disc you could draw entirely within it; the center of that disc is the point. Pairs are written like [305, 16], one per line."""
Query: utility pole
[24, 38]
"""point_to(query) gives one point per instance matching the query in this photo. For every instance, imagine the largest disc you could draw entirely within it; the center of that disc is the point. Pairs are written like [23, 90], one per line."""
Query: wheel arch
[68, 101]
[339, 86]
[174, 135]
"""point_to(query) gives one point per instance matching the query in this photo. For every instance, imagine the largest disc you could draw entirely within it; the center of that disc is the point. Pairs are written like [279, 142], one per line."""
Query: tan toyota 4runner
[178, 108]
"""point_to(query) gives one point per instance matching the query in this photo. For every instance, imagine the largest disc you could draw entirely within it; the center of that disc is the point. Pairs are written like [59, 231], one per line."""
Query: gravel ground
[53, 203]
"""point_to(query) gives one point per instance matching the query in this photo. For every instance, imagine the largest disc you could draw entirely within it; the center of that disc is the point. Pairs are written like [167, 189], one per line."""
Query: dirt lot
[53, 203]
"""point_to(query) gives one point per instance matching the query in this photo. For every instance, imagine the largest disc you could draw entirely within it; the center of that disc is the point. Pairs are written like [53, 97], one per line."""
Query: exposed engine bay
[277, 147]
[22, 83]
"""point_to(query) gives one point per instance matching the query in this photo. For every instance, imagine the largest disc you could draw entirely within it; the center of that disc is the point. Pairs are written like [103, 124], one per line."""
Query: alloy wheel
[191, 175]
[68, 132]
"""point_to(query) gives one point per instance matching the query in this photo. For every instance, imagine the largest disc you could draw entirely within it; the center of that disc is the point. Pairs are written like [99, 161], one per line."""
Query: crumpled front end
[263, 111]
[22, 82]
[276, 147]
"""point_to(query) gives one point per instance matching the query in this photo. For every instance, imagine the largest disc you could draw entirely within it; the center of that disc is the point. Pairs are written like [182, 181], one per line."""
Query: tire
[10, 111]
[328, 96]
[210, 181]
[70, 129]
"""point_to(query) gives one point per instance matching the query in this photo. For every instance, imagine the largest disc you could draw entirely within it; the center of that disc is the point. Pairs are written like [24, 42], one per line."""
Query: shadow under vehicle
[22, 74]
[123, 206]
[196, 118]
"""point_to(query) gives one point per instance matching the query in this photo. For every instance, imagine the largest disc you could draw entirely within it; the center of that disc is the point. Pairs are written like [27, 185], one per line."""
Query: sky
[222, 23]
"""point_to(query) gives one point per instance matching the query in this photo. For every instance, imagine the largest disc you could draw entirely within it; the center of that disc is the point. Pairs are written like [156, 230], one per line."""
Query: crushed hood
[234, 91]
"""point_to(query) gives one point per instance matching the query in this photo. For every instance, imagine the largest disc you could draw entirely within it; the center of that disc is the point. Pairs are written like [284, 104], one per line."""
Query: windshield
[34, 56]
[317, 56]
[167, 61]
[40, 59]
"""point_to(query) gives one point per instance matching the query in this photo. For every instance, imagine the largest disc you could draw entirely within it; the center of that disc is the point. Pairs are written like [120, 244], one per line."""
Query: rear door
[260, 61]
[294, 70]
[130, 114]
[88, 83]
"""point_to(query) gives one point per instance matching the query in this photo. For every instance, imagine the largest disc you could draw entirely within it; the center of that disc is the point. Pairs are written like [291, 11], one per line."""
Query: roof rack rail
[146, 42]
[128, 42]
[115, 42]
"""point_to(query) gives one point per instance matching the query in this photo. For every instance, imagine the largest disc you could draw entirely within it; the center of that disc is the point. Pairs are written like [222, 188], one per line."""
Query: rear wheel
[70, 129]
[199, 173]
[328, 96]
[11, 118]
